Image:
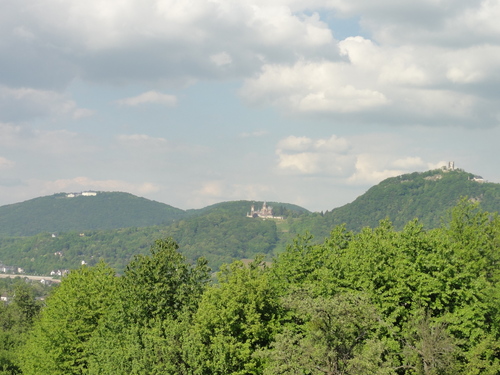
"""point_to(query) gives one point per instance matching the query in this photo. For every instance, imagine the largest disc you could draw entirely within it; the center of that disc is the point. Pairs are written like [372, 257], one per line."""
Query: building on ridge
[266, 212]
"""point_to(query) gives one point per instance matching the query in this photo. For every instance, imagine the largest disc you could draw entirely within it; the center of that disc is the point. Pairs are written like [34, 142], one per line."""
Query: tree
[428, 348]
[335, 336]
[235, 320]
[144, 330]
[58, 343]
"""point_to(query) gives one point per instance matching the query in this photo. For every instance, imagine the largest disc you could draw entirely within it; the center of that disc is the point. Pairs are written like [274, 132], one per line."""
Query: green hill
[106, 210]
[241, 208]
[427, 196]
[117, 226]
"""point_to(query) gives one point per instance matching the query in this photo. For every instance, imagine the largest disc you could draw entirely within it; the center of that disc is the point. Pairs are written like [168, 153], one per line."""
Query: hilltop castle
[266, 212]
[449, 167]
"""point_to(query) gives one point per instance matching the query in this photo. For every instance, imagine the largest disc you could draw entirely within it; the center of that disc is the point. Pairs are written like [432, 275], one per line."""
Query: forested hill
[112, 210]
[241, 208]
[106, 210]
[221, 233]
[427, 196]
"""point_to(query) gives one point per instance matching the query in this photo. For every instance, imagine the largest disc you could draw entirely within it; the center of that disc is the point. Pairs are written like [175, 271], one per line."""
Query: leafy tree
[58, 343]
[337, 336]
[235, 319]
[143, 332]
[428, 348]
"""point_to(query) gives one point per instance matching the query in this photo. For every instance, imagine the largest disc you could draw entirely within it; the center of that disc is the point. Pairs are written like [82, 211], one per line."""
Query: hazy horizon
[191, 104]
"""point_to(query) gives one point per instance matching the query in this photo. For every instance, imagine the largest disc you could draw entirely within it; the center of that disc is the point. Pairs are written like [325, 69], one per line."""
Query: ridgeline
[57, 232]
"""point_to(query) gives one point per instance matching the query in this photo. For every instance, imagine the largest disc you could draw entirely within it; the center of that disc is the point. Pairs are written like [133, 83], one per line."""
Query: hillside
[427, 196]
[221, 232]
[241, 208]
[106, 210]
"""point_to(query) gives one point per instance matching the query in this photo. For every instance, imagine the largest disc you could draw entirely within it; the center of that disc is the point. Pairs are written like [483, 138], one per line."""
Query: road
[36, 278]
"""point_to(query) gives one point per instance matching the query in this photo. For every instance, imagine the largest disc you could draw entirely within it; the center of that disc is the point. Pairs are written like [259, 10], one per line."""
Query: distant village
[13, 271]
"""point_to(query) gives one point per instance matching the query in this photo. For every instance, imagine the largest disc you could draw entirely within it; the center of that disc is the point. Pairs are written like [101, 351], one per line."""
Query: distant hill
[116, 226]
[110, 210]
[241, 208]
[106, 210]
[88, 229]
[427, 196]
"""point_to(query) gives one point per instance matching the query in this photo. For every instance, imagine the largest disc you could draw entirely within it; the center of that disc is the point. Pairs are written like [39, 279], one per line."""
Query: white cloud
[386, 84]
[42, 144]
[214, 191]
[372, 168]
[221, 59]
[165, 41]
[313, 87]
[21, 104]
[141, 139]
[153, 97]
[304, 155]
[437, 165]
[446, 50]
[293, 143]
[9, 133]
[356, 162]
[409, 163]
[6, 163]
[258, 133]
[370, 171]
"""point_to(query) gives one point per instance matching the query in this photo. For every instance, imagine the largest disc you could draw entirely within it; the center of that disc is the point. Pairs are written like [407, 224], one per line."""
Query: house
[6, 269]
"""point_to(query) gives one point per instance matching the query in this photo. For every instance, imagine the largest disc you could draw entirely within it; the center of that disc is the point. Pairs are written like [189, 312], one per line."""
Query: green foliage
[16, 318]
[451, 273]
[236, 318]
[428, 347]
[337, 335]
[221, 233]
[380, 301]
[218, 234]
[223, 238]
[163, 282]
[58, 343]
[144, 330]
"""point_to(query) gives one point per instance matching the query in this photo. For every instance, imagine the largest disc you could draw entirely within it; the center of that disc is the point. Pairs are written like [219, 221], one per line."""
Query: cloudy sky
[193, 102]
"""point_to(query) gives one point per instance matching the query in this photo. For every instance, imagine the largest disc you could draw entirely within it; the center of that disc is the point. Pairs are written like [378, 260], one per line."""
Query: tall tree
[58, 343]
[144, 330]
[235, 319]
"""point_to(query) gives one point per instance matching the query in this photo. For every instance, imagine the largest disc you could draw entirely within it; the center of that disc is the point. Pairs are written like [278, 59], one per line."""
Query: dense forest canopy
[378, 301]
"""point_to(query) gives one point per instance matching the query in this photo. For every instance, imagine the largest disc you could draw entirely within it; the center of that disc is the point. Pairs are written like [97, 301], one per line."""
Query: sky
[195, 102]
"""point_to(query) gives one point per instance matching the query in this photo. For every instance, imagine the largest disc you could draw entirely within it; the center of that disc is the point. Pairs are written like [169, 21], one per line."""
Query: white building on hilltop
[89, 193]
